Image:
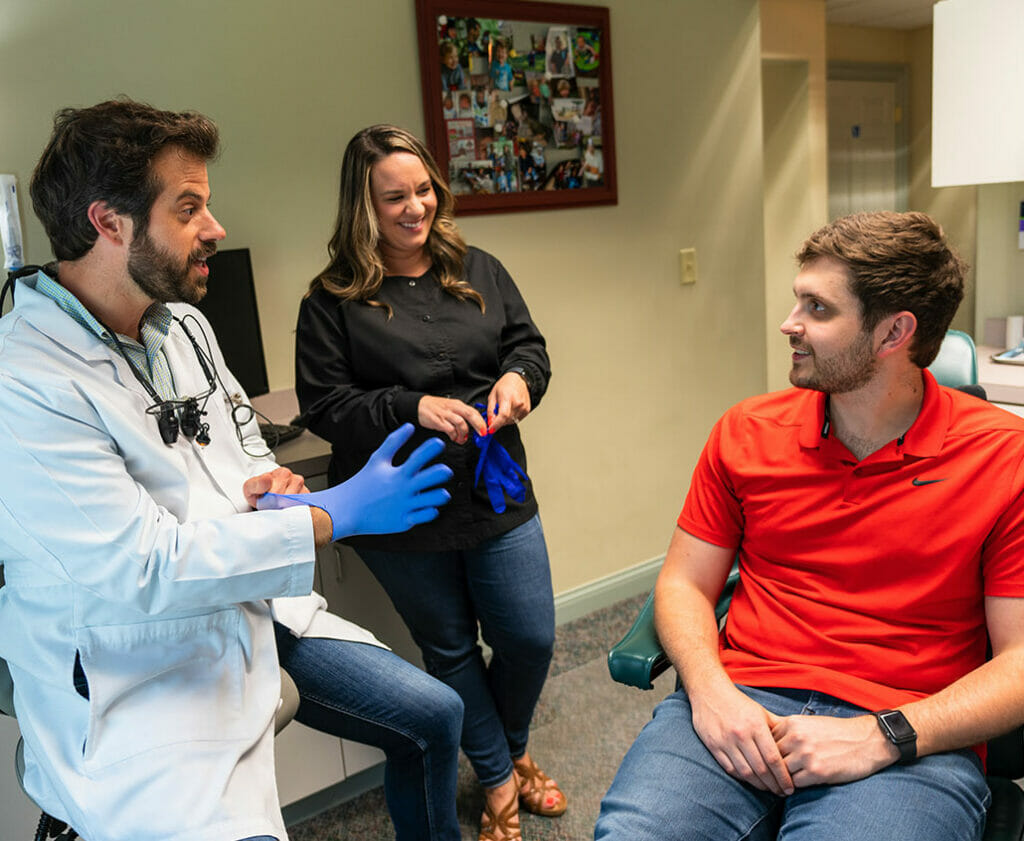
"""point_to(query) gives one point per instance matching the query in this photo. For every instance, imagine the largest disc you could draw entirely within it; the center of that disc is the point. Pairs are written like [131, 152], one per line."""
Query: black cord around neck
[16, 274]
[166, 410]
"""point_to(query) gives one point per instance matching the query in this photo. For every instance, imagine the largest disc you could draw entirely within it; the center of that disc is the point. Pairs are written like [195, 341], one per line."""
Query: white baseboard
[594, 595]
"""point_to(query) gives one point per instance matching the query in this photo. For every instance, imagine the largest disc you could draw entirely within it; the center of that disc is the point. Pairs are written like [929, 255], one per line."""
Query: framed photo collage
[517, 98]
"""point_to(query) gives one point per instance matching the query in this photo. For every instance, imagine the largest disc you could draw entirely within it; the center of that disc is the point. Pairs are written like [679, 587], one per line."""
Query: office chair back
[957, 362]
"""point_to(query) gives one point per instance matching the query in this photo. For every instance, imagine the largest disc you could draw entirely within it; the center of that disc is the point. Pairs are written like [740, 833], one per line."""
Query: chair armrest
[1006, 814]
[725, 597]
[1006, 755]
[638, 657]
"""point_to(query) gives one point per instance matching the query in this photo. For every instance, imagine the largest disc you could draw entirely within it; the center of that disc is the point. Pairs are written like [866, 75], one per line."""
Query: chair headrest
[974, 390]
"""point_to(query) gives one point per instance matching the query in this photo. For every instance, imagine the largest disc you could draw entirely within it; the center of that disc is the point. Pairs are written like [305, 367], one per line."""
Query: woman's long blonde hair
[355, 270]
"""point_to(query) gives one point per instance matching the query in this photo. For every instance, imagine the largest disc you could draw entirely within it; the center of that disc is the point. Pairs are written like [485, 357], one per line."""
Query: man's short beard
[156, 272]
[851, 370]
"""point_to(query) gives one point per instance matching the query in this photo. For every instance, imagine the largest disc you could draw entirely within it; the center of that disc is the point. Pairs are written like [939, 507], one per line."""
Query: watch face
[898, 726]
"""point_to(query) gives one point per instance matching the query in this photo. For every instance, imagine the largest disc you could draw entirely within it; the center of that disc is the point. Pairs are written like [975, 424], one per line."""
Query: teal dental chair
[638, 658]
[957, 362]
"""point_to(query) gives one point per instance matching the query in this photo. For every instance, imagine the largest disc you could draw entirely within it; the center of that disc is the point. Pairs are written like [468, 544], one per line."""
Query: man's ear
[895, 332]
[109, 224]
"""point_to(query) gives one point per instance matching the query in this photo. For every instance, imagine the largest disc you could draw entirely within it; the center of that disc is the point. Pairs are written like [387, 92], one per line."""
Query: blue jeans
[669, 786]
[504, 584]
[367, 694]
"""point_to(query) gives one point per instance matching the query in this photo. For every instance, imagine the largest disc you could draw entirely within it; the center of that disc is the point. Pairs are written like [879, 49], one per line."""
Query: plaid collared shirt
[147, 355]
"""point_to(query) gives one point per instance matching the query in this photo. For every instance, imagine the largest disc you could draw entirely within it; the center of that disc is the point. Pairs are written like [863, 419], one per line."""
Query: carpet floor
[583, 725]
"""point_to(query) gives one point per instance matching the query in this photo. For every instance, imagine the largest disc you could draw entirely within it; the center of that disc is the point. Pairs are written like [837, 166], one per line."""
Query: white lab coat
[137, 556]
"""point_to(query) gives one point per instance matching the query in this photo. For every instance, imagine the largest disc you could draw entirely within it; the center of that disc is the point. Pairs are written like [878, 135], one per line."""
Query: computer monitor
[230, 306]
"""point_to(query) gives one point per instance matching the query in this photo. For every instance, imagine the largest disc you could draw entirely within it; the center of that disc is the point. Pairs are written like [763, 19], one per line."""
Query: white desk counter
[1003, 383]
[308, 454]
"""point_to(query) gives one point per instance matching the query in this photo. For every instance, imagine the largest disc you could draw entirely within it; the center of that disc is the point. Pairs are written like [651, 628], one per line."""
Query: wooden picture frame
[517, 101]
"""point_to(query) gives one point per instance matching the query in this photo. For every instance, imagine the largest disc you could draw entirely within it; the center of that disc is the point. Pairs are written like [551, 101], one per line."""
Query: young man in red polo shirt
[879, 523]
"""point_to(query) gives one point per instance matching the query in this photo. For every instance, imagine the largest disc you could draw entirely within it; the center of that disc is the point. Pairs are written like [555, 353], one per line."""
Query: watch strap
[519, 369]
[898, 731]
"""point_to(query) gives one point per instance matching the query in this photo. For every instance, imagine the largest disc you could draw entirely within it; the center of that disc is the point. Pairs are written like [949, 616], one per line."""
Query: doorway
[867, 138]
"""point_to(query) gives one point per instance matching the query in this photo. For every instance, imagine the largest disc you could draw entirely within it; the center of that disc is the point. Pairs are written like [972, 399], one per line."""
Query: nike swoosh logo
[919, 482]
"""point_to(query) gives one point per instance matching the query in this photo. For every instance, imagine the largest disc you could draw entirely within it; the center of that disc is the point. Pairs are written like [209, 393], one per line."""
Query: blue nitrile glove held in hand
[380, 498]
[500, 473]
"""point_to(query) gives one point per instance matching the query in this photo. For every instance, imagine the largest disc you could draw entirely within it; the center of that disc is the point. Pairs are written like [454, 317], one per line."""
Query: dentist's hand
[381, 498]
[281, 480]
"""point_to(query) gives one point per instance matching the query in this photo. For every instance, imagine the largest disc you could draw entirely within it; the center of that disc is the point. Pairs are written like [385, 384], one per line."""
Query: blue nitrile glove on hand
[500, 473]
[380, 498]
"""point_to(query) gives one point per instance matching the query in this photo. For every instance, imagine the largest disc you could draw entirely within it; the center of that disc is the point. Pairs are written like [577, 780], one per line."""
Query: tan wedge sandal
[503, 826]
[538, 793]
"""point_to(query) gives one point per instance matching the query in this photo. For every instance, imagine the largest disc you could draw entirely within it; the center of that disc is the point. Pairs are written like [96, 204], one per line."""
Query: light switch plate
[687, 266]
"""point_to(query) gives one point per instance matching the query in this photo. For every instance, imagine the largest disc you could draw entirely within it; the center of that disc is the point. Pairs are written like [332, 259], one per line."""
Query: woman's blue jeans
[504, 584]
[357, 691]
[669, 786]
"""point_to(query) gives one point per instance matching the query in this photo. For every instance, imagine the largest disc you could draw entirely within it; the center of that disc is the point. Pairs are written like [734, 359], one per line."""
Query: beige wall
[795, 129]
[1000, 261]
[864, 43]
[796, 45]
[955, 208]
[642, 366]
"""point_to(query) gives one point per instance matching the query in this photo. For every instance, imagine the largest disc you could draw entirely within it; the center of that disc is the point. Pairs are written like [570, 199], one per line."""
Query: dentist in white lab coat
[135, 617]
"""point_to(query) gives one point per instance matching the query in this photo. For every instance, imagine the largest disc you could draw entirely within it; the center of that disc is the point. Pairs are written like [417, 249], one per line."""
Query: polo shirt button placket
[849, 477]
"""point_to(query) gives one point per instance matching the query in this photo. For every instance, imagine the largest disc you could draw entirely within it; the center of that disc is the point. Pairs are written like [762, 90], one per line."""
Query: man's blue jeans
[367, 694]
[505, 584]
[669, 786]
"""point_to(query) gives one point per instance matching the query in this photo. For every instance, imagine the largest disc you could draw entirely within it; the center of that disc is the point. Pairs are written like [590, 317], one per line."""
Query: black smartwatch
[898, 731]
[519, 369]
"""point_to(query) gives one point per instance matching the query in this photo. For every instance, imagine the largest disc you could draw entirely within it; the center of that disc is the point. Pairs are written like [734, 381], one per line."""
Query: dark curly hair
[105, 153]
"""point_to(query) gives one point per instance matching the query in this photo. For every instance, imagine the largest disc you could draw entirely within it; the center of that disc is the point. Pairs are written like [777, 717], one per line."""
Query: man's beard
[849, 370]
[157, 273]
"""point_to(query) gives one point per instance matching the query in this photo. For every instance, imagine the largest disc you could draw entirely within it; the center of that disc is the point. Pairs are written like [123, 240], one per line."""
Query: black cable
[166, 411]
[237, 408]
[192, 413]
[14, 274]
[8, 287]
